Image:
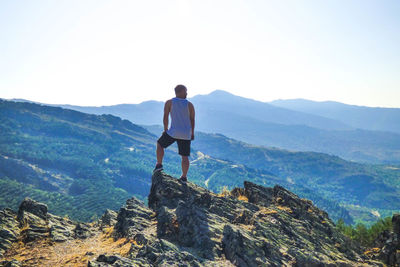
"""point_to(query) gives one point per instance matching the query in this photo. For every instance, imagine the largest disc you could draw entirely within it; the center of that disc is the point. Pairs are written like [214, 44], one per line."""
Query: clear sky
[101, 52]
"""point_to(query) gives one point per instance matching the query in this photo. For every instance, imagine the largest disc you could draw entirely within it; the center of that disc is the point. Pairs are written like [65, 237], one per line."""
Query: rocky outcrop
[274, 227]
[133, 218]
[33, 222]
[187, 225]
[36, 223]
[9, 230]
[387, 245]
[111, 260]
[12, 263]
[108, 219]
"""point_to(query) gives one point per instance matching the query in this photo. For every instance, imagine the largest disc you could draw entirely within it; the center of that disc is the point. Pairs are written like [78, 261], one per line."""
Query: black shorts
[183, 145]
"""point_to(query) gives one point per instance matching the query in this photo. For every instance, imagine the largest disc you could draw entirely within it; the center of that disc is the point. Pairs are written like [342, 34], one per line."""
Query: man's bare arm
[192, 115]
[167, 109]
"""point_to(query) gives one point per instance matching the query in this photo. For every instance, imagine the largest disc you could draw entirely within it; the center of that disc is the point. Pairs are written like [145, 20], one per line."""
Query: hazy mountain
[149, 112]
[222, 101]
[264, 124]
[371, 118]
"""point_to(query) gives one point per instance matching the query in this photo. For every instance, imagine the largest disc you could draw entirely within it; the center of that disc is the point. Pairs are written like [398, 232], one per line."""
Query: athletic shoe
[158, 167]
[183, 179]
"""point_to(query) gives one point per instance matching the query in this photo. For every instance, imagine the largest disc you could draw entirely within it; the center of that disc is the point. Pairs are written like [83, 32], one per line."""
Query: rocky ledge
[33, 222]
[187, 225]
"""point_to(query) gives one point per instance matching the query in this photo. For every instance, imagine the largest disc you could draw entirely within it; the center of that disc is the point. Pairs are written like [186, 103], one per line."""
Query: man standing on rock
[181, 130]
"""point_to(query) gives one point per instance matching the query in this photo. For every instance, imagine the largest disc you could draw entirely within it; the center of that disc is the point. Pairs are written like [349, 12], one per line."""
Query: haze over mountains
[355, 133]
[378, 119]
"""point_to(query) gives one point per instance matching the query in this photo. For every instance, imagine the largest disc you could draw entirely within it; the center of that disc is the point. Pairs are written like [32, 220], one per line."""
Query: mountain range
[354, 133]
[369, 118]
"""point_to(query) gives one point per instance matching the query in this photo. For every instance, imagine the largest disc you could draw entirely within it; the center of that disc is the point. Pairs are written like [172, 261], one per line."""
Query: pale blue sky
[108, 52]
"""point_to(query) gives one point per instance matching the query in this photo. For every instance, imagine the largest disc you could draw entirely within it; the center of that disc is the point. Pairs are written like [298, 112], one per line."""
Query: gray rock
[12, 263]
[161, 252]
[396, 223]
[33, 207]
[108, 219]
[133, 218]
[82, 231]
[33, 219]
[187, 225]
[61, 229]
[274, 228]
[111, 260]
[9, 230]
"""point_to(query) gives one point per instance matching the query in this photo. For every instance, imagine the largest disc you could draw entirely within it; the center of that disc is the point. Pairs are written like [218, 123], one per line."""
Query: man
[181, 130]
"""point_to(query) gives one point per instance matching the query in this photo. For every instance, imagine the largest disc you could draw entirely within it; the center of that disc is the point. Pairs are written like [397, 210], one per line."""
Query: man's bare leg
[185, 165]
[160, 153]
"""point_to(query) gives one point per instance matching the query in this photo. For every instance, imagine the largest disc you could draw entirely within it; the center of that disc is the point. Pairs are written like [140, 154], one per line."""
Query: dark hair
[179, 88]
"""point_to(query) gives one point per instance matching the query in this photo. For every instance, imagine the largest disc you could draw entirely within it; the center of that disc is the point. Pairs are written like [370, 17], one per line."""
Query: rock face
[187, 225]
[33, 222]
[387, 244]
[9, 230]
[133, 218]
[108, 219]
[273, 228]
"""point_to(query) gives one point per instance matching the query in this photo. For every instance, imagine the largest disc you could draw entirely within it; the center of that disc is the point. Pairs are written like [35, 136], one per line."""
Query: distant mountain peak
[220, 92]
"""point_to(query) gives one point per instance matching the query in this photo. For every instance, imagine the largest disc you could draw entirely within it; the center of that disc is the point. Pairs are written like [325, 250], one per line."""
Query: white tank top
[180, 120]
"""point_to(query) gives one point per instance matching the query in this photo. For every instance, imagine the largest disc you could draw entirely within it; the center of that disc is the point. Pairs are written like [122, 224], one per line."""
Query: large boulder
[36, 223]
[33, 220]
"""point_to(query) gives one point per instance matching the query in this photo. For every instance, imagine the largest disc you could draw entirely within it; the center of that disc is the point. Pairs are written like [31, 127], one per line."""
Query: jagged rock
[33, 207]
[112, 260]
[274, 228]
[381, 239]
[396, 223]
[386, 247]
[61, 229]
[36, 224]
[12, 263]
[187, 225]
[241, 249]
[9, 230]
[133, 218]
[82, 231]
[108, 219]
[33, 220]
[164, 253]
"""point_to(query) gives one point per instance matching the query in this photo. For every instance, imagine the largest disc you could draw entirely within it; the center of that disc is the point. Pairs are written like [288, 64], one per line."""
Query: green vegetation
[363, 234]
[78, 164]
